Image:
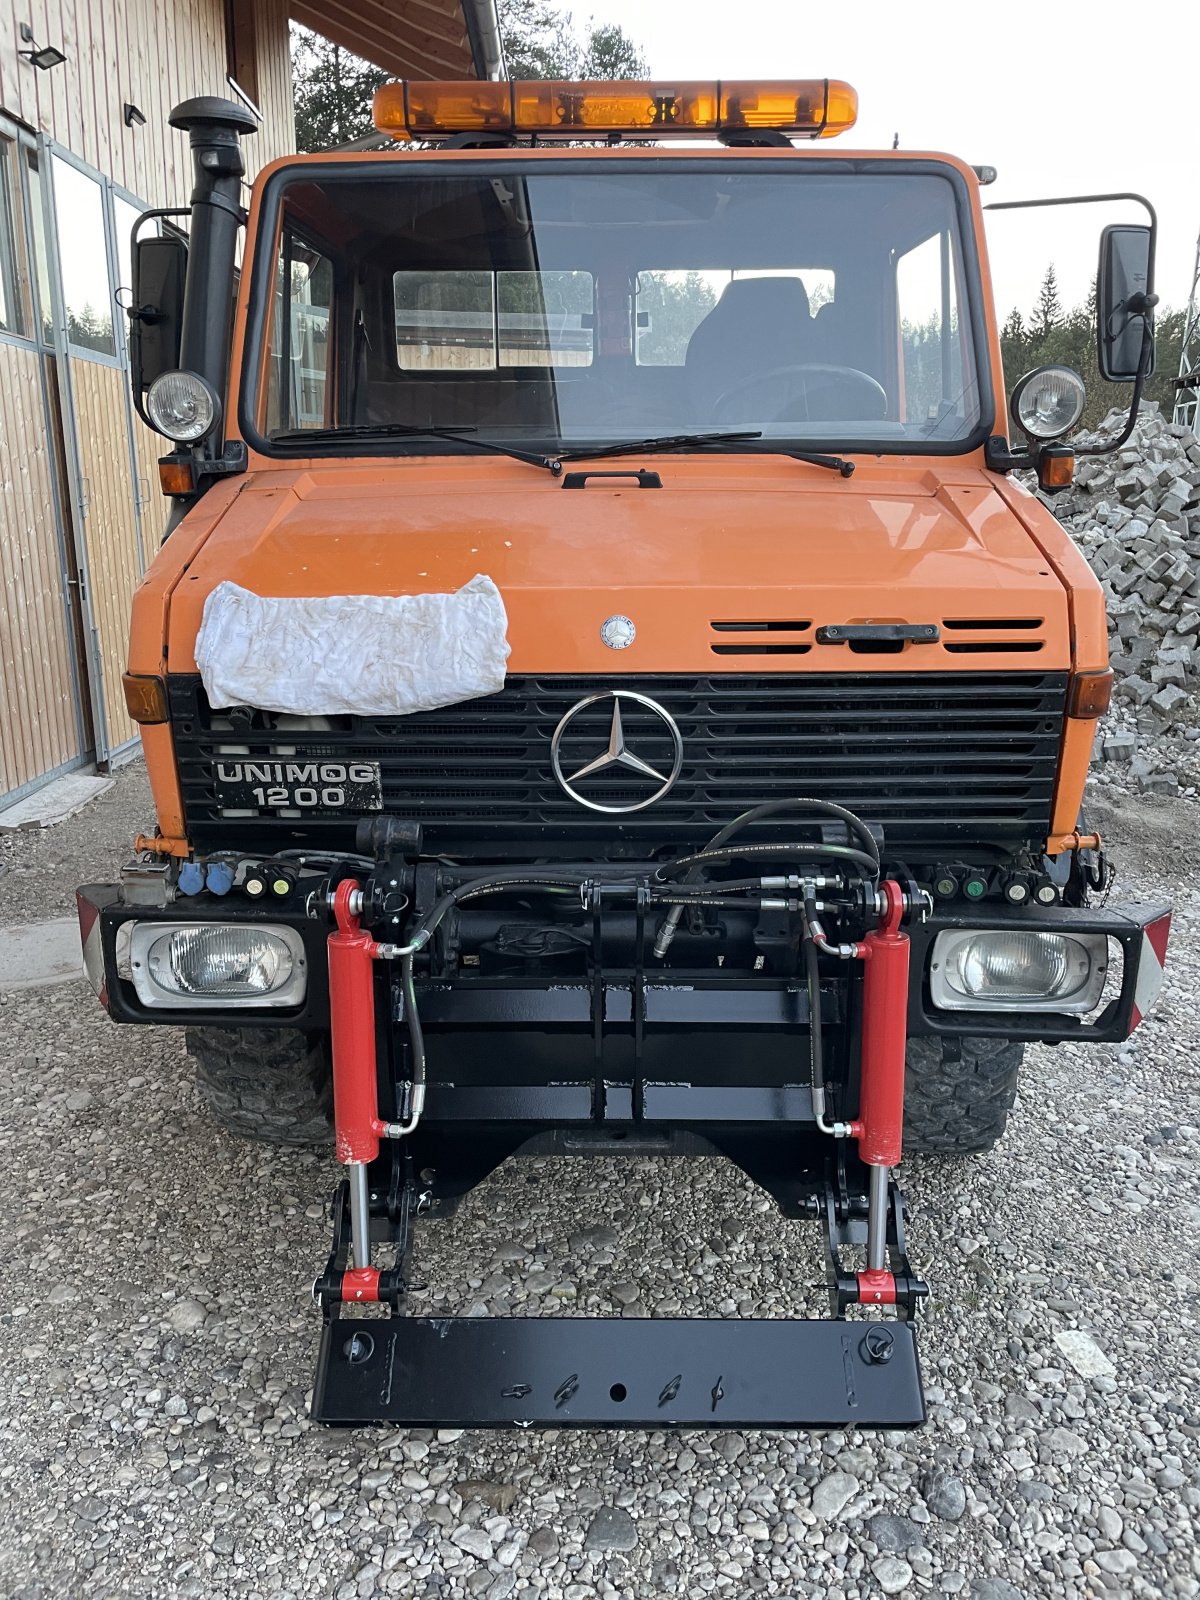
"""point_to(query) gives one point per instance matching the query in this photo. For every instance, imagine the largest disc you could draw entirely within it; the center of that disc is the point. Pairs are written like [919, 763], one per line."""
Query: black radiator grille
[931, 756]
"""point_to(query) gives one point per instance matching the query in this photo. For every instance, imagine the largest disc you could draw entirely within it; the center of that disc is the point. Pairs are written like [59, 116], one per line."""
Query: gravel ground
[157, 1340]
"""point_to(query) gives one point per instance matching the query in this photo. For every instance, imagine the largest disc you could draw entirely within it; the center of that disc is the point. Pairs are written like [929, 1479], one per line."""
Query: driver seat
[756, 325]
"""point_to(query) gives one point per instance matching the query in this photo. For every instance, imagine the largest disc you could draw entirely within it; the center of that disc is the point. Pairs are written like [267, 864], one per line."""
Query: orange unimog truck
[604, 691]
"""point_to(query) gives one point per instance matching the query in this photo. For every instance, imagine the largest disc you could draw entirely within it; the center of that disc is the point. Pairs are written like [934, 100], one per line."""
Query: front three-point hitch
[669, 1372]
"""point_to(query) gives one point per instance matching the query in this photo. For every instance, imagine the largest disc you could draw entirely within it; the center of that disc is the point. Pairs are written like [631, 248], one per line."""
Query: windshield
[561, 308]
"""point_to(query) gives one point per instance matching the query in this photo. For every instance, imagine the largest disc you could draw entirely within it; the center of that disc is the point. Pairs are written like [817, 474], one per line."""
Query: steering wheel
[799, 386]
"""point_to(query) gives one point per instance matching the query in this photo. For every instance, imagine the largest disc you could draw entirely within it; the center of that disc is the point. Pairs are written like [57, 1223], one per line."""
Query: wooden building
[85, 90]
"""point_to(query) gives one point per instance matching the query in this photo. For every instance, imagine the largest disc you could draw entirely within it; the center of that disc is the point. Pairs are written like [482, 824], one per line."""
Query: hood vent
[762, 644]
[993, 635]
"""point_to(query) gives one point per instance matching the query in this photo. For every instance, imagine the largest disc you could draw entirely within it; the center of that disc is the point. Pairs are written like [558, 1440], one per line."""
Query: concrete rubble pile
[1136, 517]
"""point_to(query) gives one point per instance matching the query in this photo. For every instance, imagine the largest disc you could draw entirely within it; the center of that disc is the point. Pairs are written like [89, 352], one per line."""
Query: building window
[241, 47]
[83, 253]
[14, 309]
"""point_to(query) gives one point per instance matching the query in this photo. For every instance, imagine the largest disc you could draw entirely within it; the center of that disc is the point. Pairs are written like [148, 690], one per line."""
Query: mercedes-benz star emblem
[656, 731]
[618, 632]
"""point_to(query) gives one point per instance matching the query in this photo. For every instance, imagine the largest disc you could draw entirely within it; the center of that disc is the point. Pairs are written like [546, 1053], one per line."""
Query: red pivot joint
[876, 1289]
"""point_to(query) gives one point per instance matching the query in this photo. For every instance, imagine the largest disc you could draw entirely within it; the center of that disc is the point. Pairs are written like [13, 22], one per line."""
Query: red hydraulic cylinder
[352, 1024]
[880, 1125]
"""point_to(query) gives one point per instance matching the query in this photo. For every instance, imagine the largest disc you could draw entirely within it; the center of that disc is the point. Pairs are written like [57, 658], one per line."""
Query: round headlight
[183, 406]
[1048, 402]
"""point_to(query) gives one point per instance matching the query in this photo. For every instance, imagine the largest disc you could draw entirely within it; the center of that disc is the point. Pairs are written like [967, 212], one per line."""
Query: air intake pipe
[214, 127]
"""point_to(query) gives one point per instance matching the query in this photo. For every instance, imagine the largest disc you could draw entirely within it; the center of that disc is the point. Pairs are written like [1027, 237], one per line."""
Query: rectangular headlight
[1017, 970]
[240, 965]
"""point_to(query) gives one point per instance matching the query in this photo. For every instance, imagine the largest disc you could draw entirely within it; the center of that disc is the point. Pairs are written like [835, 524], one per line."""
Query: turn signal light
[1090, 694]
[145, 697]
[815, 108]
[1056, 468]
[177, 476]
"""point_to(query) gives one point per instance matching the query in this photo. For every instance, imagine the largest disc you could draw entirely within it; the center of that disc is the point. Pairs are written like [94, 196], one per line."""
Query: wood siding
[151, 54]
[109, 525]
[38, 730]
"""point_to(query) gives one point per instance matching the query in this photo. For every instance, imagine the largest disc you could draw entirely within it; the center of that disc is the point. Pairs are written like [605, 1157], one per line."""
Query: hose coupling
[401, 1130]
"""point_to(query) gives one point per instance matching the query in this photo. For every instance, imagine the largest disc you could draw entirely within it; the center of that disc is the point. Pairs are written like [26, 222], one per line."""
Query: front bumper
[656, 1008]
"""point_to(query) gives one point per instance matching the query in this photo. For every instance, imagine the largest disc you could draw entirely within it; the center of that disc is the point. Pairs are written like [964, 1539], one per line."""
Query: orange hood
[724, 541]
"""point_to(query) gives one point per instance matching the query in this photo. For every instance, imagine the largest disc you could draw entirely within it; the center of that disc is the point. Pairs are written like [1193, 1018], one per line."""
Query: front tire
[270, 1084]
[958, 1093]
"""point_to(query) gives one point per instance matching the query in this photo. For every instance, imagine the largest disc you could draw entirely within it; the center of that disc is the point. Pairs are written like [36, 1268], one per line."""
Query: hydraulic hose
[416, 1039]
[839, 1130]
[670, 923]
[835, 852]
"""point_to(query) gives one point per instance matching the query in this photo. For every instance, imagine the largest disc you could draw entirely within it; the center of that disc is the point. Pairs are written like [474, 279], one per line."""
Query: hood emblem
[660, 737]
[618, 632]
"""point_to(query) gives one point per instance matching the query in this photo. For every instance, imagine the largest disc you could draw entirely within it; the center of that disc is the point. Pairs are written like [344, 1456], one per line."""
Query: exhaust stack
[214, 127]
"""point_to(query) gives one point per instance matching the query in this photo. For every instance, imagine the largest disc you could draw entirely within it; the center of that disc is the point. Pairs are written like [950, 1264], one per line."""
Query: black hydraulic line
[836, 852]
[493, 883]
[669, 924]
[730, 904]
[416, 1036]
[816, 1049]
[770, 808]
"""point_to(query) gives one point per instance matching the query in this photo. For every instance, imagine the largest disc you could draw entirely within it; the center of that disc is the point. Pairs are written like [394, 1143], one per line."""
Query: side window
[445, 321]
[545, 319]
[479, 321]
[932, 343]
[14, 310]
[298, 392]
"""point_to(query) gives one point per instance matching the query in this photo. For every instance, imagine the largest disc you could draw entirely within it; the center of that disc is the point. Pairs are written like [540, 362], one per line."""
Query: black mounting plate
[626, 1372]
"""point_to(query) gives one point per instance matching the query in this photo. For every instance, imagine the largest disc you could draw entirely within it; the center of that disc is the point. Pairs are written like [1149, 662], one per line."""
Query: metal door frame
[47, 150]
[25, 144]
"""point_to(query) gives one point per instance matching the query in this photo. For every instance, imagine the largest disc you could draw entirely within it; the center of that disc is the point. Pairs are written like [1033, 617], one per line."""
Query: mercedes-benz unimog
[605, 691]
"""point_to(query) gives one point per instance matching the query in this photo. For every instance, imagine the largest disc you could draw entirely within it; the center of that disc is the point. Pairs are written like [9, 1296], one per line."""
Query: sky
[1059, 100]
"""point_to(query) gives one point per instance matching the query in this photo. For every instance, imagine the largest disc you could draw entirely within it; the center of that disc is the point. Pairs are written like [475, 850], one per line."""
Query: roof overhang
[411, 38]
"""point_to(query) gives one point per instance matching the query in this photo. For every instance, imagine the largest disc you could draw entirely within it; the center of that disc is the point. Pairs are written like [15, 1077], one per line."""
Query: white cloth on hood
[376, 655]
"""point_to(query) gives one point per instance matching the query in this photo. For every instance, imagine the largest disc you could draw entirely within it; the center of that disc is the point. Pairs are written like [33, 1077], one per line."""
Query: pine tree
[333, 90]
[1047, 313]
[610, 53]
[540, 41]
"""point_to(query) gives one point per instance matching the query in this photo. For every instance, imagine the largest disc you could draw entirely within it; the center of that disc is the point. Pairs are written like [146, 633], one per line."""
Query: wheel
[271, 1084]
[958, 1093]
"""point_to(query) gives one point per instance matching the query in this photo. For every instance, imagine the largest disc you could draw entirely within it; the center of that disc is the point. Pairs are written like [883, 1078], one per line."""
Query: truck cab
[605, 690]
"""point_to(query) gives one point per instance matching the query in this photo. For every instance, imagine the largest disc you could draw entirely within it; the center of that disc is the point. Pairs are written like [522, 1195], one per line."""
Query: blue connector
[220, 877]
[191, 877]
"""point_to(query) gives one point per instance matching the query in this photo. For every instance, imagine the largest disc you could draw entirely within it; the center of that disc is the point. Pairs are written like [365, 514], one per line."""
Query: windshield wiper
[834, 463]
[686, 441]
[408, 430]
[670, 441]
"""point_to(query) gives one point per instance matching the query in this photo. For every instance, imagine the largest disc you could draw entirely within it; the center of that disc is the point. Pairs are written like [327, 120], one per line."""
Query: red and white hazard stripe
[1150, 967]
[93, 950]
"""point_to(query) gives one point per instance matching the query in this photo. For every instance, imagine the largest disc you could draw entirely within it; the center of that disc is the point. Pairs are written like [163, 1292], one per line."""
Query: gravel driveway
[157, 1339]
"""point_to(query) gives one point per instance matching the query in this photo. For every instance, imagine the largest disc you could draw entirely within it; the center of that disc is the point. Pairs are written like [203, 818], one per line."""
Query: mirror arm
[1142, 305]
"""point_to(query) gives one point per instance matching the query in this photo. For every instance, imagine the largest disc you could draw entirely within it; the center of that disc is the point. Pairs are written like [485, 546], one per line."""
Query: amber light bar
[814, 108]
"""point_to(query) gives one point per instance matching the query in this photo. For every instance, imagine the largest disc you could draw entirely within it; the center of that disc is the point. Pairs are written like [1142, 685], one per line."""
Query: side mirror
[156, 314]
[1123, 305]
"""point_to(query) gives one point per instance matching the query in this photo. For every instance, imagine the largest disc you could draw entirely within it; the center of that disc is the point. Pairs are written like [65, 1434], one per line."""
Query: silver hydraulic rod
[360, 1214]
[877, 1207]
